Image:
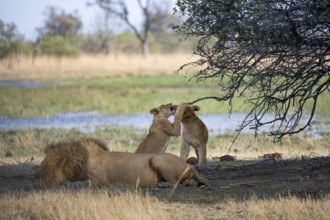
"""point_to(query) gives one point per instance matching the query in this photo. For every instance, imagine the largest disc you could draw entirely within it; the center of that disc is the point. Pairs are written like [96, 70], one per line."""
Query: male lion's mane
[67, 161]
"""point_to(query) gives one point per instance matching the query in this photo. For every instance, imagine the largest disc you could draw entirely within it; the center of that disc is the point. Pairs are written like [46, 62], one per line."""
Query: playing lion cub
[194, 134]
[90, 159]
[161, 129]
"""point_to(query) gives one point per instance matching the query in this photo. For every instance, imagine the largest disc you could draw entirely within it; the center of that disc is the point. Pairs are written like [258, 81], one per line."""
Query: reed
[87, 66]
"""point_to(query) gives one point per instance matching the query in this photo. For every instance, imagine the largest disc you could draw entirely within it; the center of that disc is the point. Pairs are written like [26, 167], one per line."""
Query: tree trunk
[145, 48]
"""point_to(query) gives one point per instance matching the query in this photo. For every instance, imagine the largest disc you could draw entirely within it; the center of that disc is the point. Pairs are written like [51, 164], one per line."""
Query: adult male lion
[90, 159]
[67, 161]
[195, 134]
[161, 129]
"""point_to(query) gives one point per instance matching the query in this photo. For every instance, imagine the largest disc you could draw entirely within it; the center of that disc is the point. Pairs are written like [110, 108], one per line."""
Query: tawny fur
[89, 159]
[161, 129]
[195, 134]
[227, 157]
[67, 161]
[274, 156]
[192, 161]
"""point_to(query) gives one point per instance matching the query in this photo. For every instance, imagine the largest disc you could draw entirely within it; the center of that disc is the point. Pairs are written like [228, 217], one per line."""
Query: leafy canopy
[274, 54]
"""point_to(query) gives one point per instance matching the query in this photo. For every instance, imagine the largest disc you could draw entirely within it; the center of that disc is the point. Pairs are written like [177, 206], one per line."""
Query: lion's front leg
[97, 179]
[176, 125]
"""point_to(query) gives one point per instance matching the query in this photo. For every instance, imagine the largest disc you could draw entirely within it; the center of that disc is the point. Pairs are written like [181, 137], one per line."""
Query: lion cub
[162, 129]
[194, 134]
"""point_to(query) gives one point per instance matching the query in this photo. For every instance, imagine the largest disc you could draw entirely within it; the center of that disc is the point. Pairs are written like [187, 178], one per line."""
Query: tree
[60, 23]
[8, 37]
[119, 8]
[8, 32]
[59, 35]
[273, 54]
[101, 39]
[162, 36]
[11, 42]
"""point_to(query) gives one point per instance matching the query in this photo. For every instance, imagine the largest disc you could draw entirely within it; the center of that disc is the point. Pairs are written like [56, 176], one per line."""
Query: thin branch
[219, 99]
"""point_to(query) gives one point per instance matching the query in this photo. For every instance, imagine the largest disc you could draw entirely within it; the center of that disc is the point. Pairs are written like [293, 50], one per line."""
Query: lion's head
[166, 110]
[192, 161]
[189, 112]
[67, 161]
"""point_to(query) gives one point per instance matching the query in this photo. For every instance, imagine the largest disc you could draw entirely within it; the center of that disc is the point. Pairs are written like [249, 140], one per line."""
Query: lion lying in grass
[90, 159]
[161, 129]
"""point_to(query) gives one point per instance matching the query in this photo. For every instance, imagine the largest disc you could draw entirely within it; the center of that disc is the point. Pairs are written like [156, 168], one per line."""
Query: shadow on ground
[238, 180]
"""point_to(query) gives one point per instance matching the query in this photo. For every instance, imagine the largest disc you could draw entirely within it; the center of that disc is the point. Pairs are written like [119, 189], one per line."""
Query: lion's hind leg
[167, 176]
[164, 169]
[201, 155]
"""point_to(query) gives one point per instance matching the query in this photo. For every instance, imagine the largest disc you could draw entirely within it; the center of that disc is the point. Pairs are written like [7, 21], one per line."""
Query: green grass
[118, 95]
[31, 142]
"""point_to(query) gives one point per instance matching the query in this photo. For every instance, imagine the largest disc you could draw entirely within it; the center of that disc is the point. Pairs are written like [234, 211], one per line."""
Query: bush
[57, 45]
[18, 47]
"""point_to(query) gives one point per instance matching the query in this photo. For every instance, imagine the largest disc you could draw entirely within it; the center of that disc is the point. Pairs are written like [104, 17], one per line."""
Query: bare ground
[238, 180]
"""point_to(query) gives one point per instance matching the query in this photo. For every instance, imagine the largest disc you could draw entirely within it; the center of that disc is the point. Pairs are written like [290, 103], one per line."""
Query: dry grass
[246, 147]
[47, 68]
[280, 208]
[80, 205]
[30, 142]
[101, 204]
[106, 204]
[112, 203]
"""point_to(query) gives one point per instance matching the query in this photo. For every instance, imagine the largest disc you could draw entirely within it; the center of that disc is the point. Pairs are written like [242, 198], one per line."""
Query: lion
[161, 129]
[194, 134]
[192, 160]
[274, 156]
[66, 161]
[89, 159]
[227, 157]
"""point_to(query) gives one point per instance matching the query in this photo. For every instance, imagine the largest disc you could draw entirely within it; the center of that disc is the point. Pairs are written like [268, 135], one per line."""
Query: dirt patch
[239, 180]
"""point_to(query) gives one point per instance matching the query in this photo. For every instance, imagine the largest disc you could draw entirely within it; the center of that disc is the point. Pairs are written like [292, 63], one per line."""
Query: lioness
[194, 134]
[90, 159]
[162, 129]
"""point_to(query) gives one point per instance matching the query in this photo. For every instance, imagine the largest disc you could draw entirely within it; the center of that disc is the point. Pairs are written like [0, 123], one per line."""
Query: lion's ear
[154, 111]
[196, 108]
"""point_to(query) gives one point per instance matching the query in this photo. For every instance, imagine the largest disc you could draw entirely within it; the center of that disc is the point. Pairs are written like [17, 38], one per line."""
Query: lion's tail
[199, 178]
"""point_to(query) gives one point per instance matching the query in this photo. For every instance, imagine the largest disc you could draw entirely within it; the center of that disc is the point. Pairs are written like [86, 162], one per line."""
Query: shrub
[57, 45]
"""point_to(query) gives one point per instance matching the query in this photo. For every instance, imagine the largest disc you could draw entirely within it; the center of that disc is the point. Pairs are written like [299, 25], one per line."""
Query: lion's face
[165, 110]
[50, 172]
[189, 112]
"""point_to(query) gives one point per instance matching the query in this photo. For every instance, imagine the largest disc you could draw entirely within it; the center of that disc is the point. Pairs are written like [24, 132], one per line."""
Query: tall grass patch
[81, 205]
[102, 204]
[87, 66]
[277, 208]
